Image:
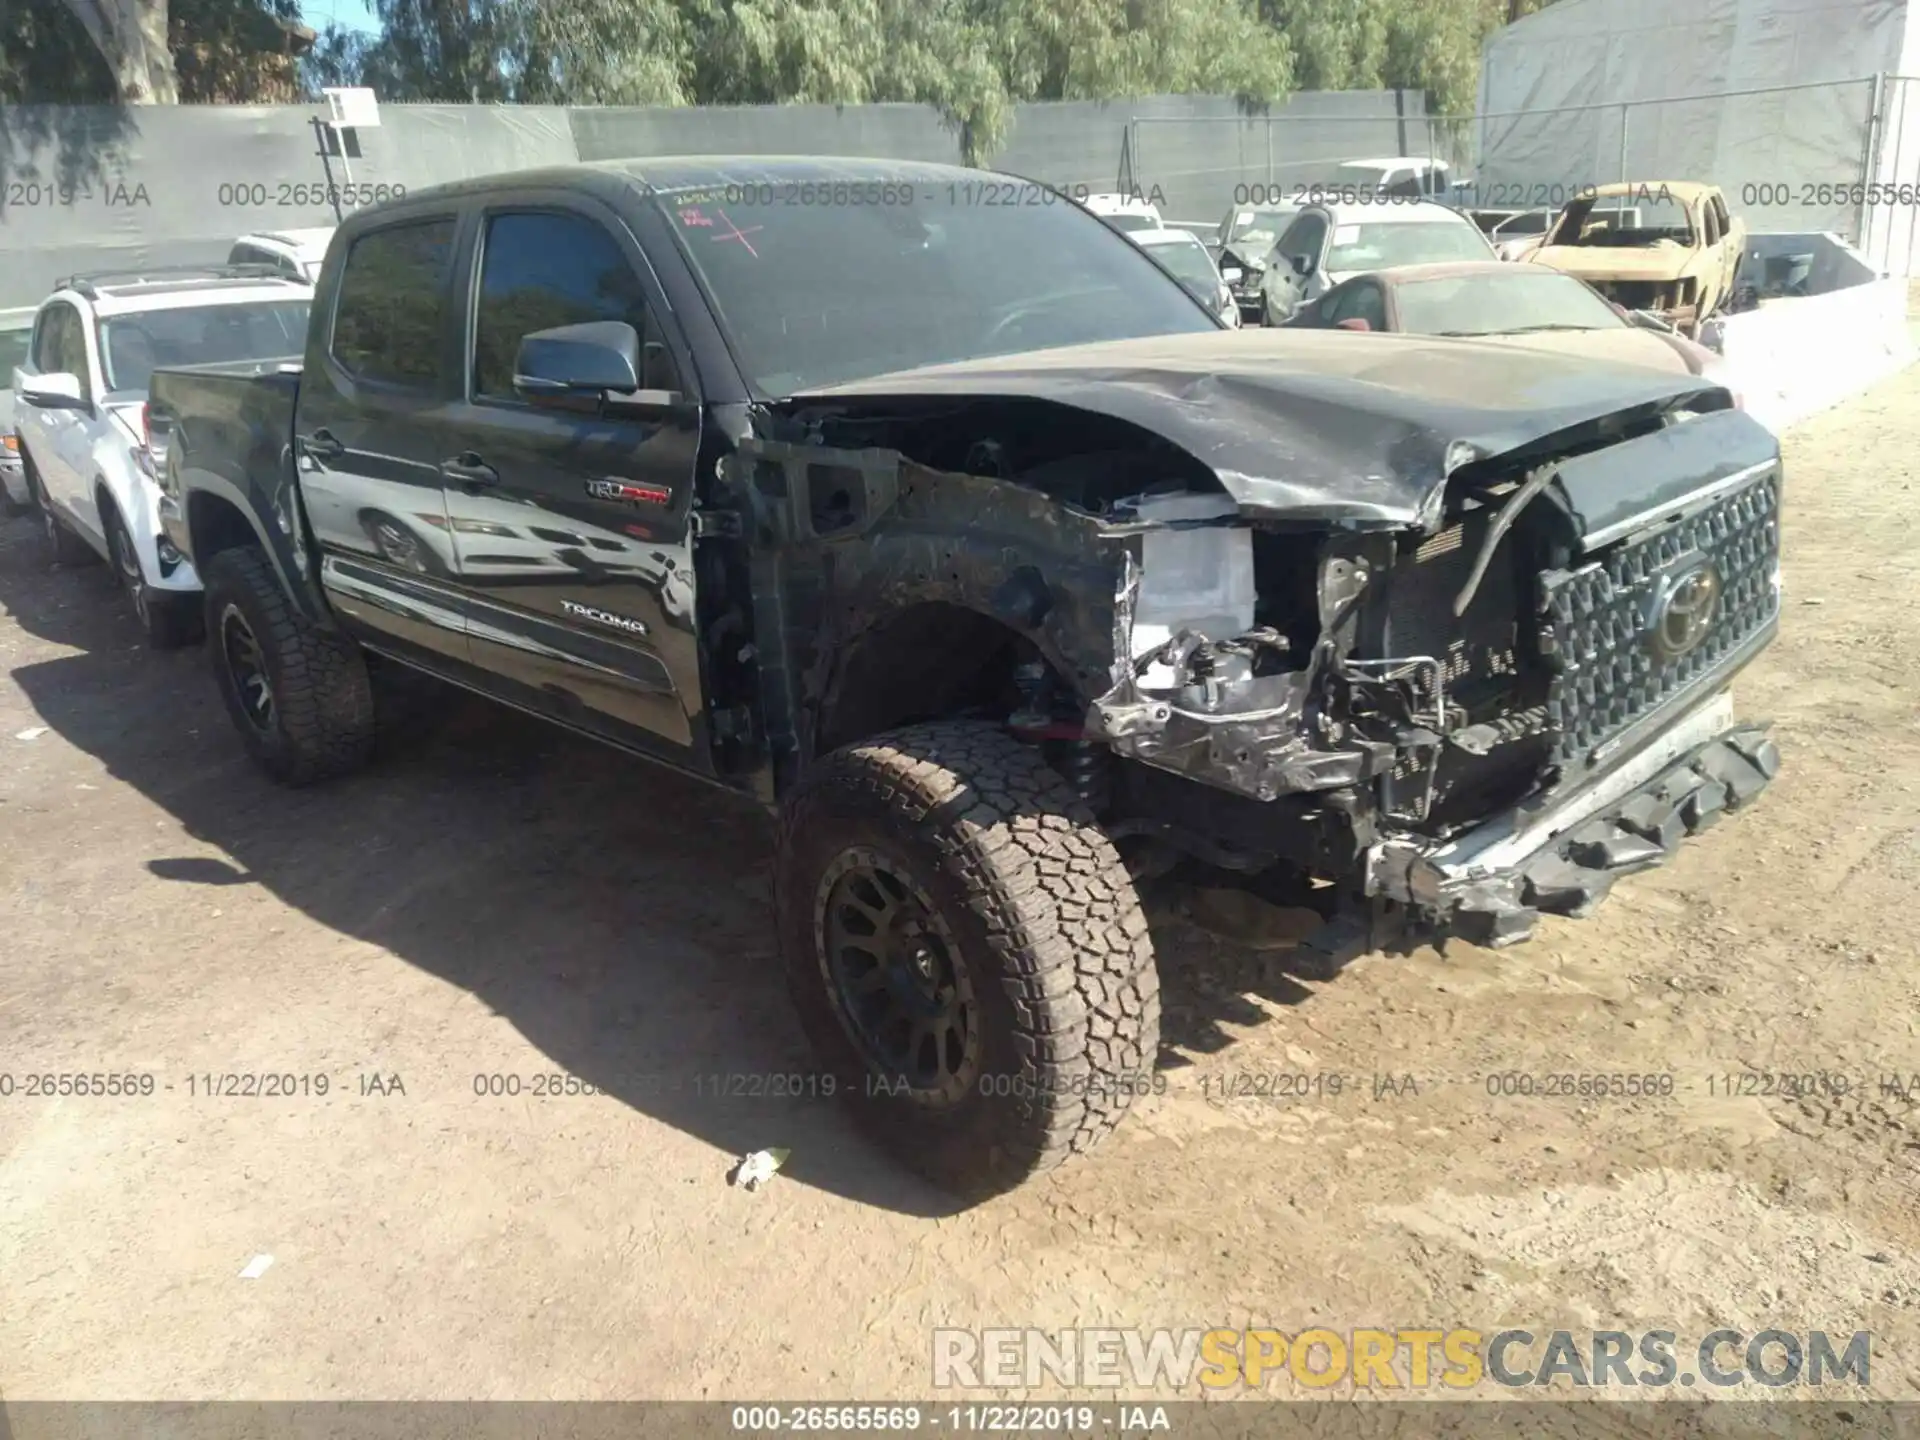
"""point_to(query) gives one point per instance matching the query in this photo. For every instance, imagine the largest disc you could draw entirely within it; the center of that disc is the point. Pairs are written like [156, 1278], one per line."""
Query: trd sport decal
[627, 492]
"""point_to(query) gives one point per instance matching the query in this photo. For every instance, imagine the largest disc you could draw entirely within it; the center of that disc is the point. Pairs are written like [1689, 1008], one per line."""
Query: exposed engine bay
[1332, 677]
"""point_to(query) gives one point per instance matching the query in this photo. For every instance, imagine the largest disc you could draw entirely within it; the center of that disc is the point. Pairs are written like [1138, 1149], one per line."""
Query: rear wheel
[169, 619]
[299, 696]
[967, 953]
[67, 548]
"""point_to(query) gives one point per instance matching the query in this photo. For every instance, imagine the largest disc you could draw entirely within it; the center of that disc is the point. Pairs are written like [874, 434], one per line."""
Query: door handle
[322, 445]
[469, 469]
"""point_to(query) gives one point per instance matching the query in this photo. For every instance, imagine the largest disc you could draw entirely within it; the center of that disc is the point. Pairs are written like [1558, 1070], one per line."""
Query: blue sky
[353, 14]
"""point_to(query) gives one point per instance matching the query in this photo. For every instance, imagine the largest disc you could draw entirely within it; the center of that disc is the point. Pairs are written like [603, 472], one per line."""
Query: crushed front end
[1475, 719]
[1675, 301]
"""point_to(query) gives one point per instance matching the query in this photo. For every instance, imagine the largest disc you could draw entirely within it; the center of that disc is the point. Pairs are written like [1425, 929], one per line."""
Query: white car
[81, 398]
[295, 254]
[1399, 176]
[16, 331]
[1129, 213]
[1181, 254]
[1325, 244]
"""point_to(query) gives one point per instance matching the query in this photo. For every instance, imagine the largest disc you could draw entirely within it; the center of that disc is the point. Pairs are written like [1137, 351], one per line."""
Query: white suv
[80, 400]
[294, 253]
[1125, 212]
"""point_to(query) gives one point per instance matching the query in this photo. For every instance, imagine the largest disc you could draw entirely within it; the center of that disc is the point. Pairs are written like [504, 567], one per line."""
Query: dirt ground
[502, 900]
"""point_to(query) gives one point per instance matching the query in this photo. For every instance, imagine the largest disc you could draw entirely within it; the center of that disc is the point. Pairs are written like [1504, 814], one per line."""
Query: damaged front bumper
[1492, 883]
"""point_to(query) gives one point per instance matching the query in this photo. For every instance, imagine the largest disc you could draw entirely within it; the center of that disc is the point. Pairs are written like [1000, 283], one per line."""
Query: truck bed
[232, 420]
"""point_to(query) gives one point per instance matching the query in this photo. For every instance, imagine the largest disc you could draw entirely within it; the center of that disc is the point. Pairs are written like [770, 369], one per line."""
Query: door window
[60, 346]
[1359, 301]
[542, 269]
[1305, 237]
[390, 324]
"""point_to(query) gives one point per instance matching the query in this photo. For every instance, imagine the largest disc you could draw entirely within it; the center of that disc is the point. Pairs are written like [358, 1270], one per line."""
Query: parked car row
[79, 445]
[1668, 249]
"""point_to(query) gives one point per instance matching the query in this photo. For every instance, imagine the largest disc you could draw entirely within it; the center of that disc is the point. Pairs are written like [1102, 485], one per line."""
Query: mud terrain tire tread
[323, 696]
[1057, 935]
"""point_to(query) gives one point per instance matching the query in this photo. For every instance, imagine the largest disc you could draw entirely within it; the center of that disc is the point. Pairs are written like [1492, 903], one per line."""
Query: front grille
[1595, 628]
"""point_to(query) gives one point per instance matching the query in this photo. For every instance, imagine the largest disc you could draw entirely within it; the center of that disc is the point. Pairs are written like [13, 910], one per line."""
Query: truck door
[570, 528]
[370, 432]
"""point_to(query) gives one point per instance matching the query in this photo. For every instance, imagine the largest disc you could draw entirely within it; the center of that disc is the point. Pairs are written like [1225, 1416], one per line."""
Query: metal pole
[1869, 162]
[320, 132]
[1270, 154]
[1623, 143]
[1899, 176]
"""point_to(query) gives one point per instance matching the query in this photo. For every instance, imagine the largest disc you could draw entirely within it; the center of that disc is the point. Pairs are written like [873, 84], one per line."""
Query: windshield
[132, 347]
[13, 351]
[1258, 229]
[1646, 216]
[1506, 302]
[815, 295]
[1381, 245]
[1190, 265]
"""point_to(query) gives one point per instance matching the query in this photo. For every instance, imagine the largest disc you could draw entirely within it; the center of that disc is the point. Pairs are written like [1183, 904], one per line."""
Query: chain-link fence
[1789, 157]
[93, 187]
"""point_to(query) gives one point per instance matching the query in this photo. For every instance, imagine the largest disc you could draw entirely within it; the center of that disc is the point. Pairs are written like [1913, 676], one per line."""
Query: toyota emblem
[1683, 615]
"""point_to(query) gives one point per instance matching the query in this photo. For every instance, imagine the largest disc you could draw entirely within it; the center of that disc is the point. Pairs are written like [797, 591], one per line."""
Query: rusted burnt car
[1665, 246]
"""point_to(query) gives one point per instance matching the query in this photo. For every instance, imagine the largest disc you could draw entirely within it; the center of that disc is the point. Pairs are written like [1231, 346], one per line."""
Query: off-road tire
[170, 619]
[68, 550]
[1018, 871]
[321, 724]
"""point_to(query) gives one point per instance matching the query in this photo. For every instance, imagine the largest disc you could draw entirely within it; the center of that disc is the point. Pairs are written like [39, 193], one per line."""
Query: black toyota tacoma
[921, 507]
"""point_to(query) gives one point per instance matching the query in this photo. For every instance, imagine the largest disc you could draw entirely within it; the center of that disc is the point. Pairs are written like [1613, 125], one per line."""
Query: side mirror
[1233, 274]
[595, 362]
[1302, 265]
[576, 360]
[58, 391]
[1352, 322]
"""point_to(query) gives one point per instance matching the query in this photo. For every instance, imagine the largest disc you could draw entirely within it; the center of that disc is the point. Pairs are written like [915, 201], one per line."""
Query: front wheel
[967, 953]
[300, 696]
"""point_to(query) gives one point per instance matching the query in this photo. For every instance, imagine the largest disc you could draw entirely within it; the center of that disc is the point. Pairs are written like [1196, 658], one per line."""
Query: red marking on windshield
[734, 232]
[691, 216]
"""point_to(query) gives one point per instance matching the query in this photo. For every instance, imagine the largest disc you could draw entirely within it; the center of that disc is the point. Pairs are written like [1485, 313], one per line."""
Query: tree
[131, 36]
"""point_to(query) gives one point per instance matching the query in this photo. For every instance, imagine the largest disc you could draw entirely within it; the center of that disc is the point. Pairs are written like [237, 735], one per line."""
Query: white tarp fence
[1773, 100]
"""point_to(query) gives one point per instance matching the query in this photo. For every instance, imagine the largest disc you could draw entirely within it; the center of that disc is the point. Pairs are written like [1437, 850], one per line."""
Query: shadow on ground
[615, 913]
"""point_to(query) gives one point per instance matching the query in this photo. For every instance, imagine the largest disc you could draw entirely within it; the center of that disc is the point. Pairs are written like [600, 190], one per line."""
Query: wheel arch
[930, 659]
[216, 523]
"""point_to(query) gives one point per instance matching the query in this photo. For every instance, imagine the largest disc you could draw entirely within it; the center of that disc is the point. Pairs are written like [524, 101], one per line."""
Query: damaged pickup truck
[1666, 247]
[920, 506]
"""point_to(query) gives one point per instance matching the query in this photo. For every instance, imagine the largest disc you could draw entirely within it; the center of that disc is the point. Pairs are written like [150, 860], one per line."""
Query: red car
[1518, 304]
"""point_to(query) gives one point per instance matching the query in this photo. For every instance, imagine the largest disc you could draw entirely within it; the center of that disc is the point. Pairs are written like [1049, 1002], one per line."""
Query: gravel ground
[498, 899]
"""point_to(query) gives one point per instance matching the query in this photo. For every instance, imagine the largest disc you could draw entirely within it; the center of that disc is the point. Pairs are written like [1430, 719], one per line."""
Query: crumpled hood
[1313, 425]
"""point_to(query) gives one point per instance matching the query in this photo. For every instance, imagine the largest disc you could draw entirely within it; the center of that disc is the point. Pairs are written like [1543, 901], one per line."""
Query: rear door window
[390, 321]
[1358, 301]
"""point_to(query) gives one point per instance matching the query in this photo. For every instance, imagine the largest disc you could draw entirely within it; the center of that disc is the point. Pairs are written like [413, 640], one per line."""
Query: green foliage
[972, 59]
[47, 58]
